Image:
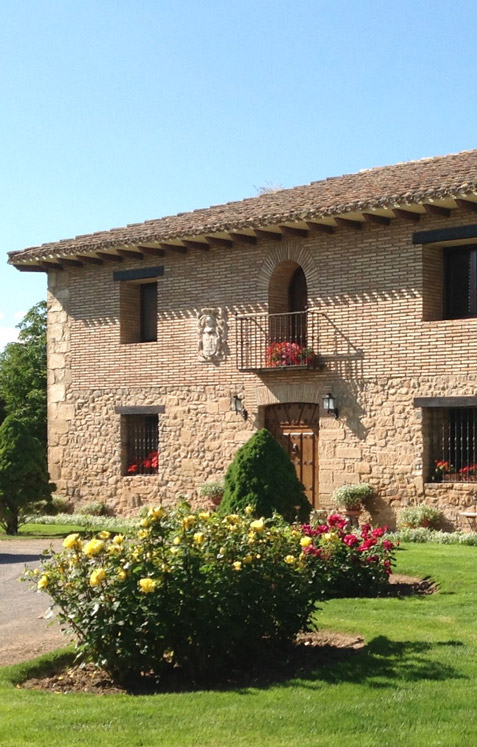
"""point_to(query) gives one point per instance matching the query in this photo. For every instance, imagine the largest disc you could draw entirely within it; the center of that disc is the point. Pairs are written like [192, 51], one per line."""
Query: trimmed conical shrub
[262, 476]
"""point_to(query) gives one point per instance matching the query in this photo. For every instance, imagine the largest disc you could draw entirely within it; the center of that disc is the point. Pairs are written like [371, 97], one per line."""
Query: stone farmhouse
[341, 315]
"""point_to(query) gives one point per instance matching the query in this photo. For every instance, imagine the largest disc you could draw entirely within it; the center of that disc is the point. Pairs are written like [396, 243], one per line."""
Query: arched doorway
[295, 425]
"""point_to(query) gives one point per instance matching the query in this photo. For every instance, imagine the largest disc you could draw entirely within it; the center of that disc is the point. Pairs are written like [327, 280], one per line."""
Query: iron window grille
[141, 445]
[453, 444]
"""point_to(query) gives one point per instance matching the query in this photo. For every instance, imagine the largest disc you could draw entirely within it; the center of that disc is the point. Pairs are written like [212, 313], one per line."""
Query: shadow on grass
[382, 664]
[387, 664]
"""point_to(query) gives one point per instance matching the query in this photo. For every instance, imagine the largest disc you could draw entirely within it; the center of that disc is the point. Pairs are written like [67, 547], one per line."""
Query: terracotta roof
[403, 184]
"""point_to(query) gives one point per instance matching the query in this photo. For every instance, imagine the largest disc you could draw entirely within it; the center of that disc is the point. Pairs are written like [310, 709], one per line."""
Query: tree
[24, 479]
[262, 476]
[23, 373]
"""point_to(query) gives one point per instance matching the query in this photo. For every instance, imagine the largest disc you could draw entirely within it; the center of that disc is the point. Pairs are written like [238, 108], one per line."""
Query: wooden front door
[295, 426]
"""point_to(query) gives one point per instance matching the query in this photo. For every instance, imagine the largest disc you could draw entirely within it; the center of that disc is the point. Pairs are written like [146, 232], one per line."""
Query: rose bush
[201, 591]
[194, 590]
[347, 562]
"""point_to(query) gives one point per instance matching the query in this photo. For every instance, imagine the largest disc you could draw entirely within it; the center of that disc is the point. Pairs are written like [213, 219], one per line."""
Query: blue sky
[114, 111]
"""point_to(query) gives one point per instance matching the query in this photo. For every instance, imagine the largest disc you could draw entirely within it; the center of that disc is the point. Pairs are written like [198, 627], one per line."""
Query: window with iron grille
[140, 444]
[452, 444]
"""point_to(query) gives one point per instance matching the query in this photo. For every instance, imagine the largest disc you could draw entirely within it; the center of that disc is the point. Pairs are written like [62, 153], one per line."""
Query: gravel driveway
[24, 631]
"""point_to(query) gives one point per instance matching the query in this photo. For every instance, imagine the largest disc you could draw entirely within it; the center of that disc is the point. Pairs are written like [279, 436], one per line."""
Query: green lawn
[39, 531]
[414, 684]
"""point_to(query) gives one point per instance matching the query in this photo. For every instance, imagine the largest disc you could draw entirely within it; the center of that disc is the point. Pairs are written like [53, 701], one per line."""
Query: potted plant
[419, 516]
[213, 490]
[350, 498]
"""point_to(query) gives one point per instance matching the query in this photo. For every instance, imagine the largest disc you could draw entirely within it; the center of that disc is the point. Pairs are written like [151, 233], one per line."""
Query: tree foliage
[262, 476]
[23, 373]
[24, 479]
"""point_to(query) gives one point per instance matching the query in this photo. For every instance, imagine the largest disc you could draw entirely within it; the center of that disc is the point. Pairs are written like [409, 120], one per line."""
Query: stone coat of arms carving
[212, 332]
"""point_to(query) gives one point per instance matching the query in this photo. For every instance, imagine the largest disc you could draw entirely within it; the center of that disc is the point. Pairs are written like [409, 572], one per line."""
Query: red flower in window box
[288, 354]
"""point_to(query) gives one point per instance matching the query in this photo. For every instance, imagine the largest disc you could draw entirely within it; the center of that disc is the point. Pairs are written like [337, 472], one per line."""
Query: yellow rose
[232, 518]
[199, 538]
[122, 574]
[71, 541]
[43, 582]
[118, 538]
[247, 559]
[97, 576]
[188, 521]
[258, 525]
[93, 547]
[143, 533]
[248, 510]
[222, 550]
[204, 515]
[147, 585]
[306, 541]
[104, 535]
[144, 523]
[237, 566]
[176, 541]
[157, 512]
[290, 559]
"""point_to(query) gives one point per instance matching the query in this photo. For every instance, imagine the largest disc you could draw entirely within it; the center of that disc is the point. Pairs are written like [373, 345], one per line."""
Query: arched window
[287, 304]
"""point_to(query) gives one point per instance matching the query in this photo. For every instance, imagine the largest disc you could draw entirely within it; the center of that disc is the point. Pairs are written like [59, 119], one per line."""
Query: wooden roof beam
[89, 260]
[71, 262]
[407, 215]
[51, 265]
[130, 254]
[152, 251]
[298, 233]
[179, 249]
[466, 204]
[374, 218]
[244, 238]
[348, 223]
[437, 210]
[220, 243]
[268, 235]
[320, 227]
[196, 245]
[30, 268]
[108, 257]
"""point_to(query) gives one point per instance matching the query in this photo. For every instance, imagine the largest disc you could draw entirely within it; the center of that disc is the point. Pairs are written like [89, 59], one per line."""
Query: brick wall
[380, 338]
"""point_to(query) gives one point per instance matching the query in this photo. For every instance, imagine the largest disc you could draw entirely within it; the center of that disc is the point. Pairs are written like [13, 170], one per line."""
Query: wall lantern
[329, 405]
[237, 406]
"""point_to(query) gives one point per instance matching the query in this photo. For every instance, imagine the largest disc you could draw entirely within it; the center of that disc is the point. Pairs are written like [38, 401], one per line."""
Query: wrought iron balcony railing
[277, 341]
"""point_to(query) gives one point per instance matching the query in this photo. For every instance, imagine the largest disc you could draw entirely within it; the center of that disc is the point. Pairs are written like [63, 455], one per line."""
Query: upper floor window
[460, 273]
[138, 303]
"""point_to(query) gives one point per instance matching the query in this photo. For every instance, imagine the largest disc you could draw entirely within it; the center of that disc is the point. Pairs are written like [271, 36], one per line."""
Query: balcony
[277, 341]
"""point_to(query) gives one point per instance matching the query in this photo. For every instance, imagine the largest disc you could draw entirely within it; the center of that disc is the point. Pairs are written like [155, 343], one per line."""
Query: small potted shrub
[213, 490]
[350, 498]
[419, 516]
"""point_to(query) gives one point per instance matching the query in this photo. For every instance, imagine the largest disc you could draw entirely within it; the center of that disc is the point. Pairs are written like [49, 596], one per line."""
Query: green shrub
[193, 590]
[352, 497]
[62, 505]
[418, 516]
[95, 508]
[262, 476]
